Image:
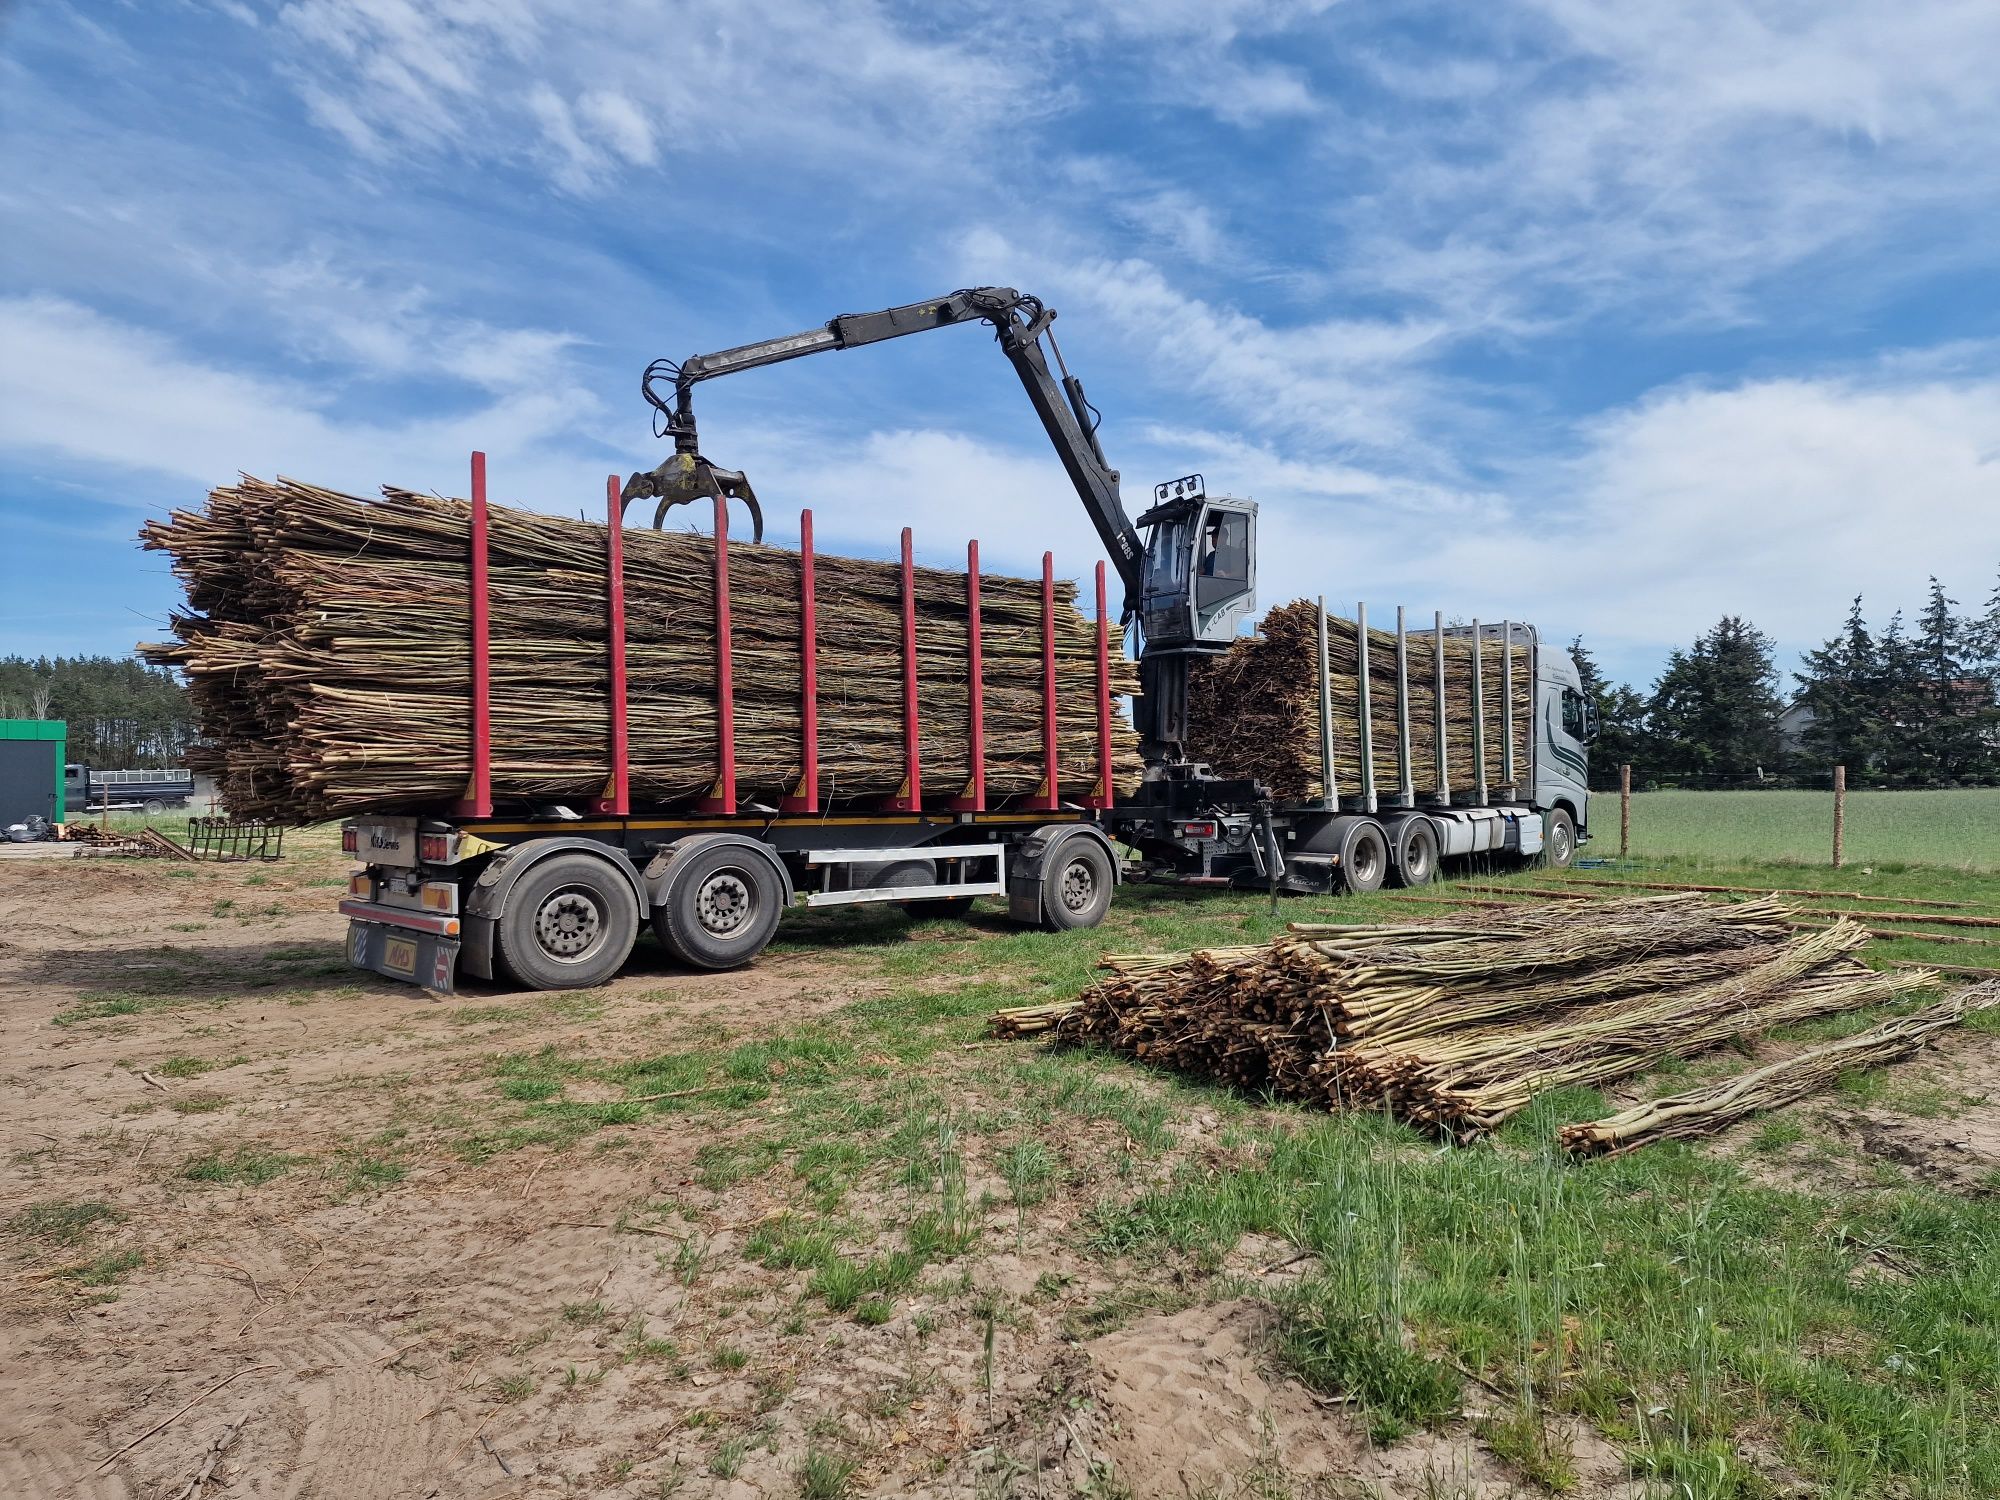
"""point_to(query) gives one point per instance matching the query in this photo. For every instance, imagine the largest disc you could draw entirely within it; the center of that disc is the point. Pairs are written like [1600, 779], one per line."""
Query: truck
[555, 897]
[88, 789]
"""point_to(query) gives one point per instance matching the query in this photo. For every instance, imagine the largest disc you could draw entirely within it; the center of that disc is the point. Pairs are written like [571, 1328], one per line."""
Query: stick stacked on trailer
[1460, 1023]
[328, 657]
[1256, 706]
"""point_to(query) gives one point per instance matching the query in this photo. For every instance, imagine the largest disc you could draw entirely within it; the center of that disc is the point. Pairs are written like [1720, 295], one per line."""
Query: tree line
[1912, 703]
[122, 714]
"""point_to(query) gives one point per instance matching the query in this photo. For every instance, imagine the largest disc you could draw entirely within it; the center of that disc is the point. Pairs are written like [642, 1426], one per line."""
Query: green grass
[246, 1166]
[1954, 829]
[59, 1221]
[106, 1270]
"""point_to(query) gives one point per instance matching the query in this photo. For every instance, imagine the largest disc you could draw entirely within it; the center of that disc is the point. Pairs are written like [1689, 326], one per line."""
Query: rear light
[434, 848]
[361, 886]
[350, 840]
[1198, 830]
[437, 895]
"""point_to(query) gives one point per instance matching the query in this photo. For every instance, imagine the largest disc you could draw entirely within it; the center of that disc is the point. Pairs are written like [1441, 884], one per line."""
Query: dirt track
[294, 1154]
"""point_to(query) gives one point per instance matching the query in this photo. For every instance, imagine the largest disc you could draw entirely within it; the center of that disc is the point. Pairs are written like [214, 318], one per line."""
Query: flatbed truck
[554, 896]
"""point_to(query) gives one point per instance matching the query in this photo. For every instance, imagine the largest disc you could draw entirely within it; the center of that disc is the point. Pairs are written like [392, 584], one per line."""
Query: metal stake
[1329, 792]
[1507, 708]
[1406, 789]
[1478, 715]
[1367, 718]
[1443, 759]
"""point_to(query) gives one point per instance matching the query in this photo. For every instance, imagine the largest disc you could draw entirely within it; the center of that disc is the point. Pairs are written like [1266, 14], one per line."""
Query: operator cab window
[1222, 564]
[1573, 713]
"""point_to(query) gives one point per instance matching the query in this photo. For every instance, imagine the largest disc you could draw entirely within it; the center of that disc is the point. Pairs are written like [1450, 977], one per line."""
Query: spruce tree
[1715, 708]
[1842, 687]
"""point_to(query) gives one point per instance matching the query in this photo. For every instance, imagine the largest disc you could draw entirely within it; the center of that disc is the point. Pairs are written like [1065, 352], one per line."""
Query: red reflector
[350, 841]
[434, 848]
[1198, 830]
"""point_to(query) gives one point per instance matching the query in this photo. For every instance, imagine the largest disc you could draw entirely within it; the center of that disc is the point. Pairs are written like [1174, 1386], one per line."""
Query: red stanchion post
[974, 799]
[478, 801]
[723, 798]
[618, 795]
[911, 797]
[1102, 797]
[1050, 796]
[806, 797]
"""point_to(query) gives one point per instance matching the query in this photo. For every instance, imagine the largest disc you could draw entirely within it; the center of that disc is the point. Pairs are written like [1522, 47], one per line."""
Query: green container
[32, 755]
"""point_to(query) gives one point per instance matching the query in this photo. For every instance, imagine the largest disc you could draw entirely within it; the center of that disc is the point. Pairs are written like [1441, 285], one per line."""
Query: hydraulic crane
[1189, 581]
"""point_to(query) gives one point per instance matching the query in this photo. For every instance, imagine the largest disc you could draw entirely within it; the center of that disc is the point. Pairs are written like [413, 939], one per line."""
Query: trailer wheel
[1364, 856]
[1559, 849]
[1416, 854]
[154, 807]
[718, 905]
[1076, 885]
[569, 924]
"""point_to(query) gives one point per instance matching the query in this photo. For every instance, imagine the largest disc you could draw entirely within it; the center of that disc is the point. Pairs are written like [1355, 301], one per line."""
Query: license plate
[400, 955]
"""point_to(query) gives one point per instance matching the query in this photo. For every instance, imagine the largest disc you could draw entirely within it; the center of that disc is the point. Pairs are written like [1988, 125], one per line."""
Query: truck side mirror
[1589, 720]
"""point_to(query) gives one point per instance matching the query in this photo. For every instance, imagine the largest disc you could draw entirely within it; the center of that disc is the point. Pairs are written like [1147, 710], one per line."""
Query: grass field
[1957, 829]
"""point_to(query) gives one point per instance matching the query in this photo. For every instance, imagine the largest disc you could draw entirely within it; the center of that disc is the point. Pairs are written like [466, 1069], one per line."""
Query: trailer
[1196, 827]
[554, 897]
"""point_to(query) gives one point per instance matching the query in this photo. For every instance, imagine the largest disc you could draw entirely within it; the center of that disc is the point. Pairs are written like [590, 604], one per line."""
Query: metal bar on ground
[1478, 716]
[1050, 796]
[722, 799]
[1839, 816]
[617, 798]
[1367, 715]
[478, 801]
[1329, 789]
[1443, 758]
[974, 799]
[805, 797]
[1507, 709]
[1102, 798]
[1406, 786]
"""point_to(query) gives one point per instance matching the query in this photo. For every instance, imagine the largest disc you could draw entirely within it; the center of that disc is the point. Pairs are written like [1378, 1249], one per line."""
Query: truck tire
[718, 905]
[1416, 860]
[1076, 885]
[1559, 848]
[1364, 856]
[569, 924]
[154, 807]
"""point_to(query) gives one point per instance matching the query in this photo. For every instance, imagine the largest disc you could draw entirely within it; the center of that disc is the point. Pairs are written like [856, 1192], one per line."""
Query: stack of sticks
[1255, 707]
[1459, 1024]
[327, 649]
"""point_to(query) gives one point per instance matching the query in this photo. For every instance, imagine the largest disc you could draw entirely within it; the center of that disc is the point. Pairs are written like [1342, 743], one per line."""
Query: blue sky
[1614, 317]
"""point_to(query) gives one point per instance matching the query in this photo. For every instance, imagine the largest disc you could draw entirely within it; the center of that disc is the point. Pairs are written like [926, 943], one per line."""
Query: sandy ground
[582, 1322]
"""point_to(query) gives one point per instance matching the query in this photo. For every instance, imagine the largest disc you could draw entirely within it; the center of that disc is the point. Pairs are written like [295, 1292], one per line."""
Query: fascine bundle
[1459, 1024]
[327, 650]
[1256, 705]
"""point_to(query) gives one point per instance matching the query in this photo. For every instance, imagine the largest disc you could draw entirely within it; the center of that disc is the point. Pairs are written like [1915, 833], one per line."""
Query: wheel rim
[725, 902]
[1559, 845]
[1079, 885]
[1367, 861]
[1417, 860]
[569, 925]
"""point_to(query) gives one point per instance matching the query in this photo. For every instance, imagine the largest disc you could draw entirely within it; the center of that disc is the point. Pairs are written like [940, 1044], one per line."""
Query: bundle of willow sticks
[327, 650]
[1459, 1023]
[1705, 1110]
[1256, 706]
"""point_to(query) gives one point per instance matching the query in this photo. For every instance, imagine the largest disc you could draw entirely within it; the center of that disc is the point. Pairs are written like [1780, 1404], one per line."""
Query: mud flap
[420, 958]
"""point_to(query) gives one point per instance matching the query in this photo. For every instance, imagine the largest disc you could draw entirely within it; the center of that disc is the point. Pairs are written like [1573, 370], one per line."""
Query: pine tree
[1621, 722]
[1715, 708]
[1946, 732]
[1842, 687]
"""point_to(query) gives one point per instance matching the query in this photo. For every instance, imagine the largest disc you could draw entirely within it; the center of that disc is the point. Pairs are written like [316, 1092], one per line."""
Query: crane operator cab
[1200, 575]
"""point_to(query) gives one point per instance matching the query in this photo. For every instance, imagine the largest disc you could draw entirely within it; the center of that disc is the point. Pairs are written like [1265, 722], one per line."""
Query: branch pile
[1459, 1024]
[327, 650]
[1263, 700]
[1703, 1111]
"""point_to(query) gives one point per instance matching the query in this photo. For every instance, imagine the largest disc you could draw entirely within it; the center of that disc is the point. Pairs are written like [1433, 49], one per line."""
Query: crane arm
[1020, 323]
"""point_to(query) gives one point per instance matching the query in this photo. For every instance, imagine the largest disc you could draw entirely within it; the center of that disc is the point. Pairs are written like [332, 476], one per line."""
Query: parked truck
[88, 789]
[554, 897]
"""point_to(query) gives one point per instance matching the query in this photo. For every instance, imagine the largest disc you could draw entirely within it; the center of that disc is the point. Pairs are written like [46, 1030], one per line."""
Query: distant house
[1793, 723]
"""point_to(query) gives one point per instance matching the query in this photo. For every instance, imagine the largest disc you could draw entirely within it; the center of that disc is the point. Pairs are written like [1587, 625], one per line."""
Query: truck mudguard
[656, 868]
[487, 898]
[1028, 859]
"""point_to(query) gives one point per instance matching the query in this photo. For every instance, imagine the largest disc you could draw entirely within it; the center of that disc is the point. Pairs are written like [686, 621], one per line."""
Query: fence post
[1839, 816]
[1624, 811]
